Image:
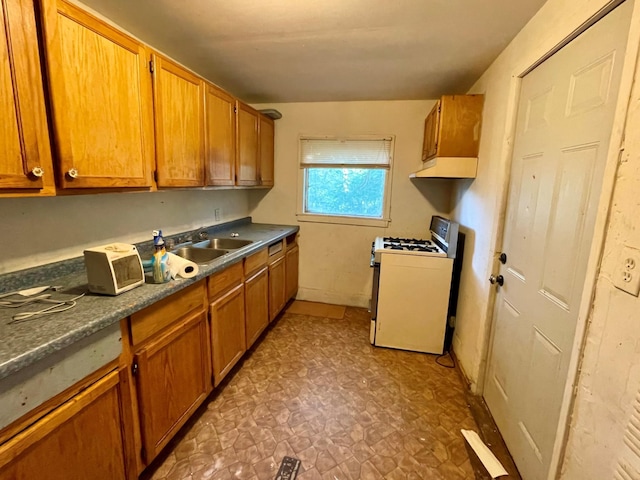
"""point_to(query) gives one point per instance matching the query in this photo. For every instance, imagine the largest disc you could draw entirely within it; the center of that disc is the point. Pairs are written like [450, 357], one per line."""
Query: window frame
[384, 221]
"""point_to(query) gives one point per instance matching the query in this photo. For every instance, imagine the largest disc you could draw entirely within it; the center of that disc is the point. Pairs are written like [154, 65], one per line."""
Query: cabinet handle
[73, 173]
[37, 172]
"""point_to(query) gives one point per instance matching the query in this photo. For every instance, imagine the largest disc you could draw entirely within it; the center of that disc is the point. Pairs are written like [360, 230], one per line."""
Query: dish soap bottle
[161, 273]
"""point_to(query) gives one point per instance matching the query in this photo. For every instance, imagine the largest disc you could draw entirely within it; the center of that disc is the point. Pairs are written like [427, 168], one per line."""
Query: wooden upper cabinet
[247, 145]
[452, 128]
[266, 151]
[25, 159]
[100, 89]
[431, 125]
[179, 120]
[220, 144]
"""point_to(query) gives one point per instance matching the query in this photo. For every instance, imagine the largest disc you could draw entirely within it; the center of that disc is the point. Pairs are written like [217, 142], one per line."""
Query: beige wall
[334, 259]
[36, 231]
[477, 205]
[610, 374]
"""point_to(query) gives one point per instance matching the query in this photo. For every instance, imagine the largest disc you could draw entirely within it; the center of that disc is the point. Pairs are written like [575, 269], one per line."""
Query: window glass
[355, 192]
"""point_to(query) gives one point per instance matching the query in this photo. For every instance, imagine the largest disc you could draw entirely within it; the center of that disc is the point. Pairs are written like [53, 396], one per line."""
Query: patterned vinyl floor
[315, 389]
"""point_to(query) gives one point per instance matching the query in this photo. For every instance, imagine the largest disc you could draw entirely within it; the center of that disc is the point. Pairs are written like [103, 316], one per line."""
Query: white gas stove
[412, 292]
[406, 246]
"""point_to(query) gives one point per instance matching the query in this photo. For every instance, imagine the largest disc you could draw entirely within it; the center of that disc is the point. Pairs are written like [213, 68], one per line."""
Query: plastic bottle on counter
[160, 259]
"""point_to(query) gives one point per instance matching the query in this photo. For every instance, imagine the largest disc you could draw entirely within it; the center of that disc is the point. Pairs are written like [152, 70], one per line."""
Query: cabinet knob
[73, 173]
[37, 172]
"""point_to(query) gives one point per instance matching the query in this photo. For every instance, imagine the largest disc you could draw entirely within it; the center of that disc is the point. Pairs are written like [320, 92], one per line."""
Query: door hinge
[155, 176]
[235, 109]
[151, 66]
[134, 369]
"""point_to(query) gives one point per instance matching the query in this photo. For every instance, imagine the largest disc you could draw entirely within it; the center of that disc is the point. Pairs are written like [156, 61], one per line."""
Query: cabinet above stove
[451, 138]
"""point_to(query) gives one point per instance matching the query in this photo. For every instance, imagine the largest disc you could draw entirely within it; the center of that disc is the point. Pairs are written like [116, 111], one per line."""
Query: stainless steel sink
[224, 243]
[199, 255]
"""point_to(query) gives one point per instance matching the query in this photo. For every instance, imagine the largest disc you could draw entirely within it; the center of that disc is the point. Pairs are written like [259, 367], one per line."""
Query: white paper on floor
[486, 456]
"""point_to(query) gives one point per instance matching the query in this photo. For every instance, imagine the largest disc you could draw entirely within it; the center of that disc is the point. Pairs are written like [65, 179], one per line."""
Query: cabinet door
[276, 287]
[266, 151]
[431, 128]
[173, 378]
[227, 332]
[247, 145]
[80, 439]
[257, 305]
[179, 119]
[460, 120]
[100, 89]
[291, 270]
[220, 145]
[25, 162]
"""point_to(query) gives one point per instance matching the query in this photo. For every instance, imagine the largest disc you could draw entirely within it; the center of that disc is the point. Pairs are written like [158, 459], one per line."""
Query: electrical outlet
[216, 214]
[627, 275]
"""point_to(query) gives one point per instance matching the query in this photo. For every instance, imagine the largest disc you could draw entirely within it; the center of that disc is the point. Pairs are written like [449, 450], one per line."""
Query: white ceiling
[328, 50]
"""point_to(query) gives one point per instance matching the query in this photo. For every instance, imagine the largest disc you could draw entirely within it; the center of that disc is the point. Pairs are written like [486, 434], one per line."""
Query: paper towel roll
[181, 266]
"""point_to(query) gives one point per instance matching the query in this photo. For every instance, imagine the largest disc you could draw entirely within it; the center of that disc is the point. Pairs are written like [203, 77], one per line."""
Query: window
[345, 180]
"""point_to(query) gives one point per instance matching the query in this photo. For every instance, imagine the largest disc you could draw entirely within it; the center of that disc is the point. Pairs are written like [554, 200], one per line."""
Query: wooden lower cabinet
[291, 270]
[228, 338]
[173, 378]
[257, 305]
[83, 438]
[277, 279]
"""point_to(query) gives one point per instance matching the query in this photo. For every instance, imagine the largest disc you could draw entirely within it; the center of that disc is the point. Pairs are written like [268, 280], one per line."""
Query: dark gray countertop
[26, 342]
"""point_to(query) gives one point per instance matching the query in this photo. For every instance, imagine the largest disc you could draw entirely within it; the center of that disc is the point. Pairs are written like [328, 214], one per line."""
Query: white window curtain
[350, 153]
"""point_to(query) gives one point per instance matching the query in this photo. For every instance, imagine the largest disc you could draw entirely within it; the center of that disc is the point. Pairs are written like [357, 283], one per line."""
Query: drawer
[255, 261]
[222, 281]
[276, 251]
[165, 312]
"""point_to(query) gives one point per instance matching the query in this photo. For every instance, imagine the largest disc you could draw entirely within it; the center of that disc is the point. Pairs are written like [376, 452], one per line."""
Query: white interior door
[563, 127]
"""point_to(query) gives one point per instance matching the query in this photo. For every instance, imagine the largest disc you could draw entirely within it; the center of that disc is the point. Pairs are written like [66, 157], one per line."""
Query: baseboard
[335, 298]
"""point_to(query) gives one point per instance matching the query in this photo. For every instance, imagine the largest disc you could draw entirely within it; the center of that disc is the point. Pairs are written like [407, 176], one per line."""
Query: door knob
[503, 258]
[37, 172]
[499, 279]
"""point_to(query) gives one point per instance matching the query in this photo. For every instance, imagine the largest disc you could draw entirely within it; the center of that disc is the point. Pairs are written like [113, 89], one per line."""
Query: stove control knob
[499, 279]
